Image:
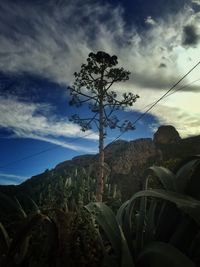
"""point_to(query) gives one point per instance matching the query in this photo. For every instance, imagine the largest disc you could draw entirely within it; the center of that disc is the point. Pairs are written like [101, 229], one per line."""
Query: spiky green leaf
[158, 254]
[107, 221]
[5, 235]
[184, 175]
[166, 177]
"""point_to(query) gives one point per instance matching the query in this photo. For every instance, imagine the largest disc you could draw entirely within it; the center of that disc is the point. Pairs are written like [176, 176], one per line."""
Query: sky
[42, 43]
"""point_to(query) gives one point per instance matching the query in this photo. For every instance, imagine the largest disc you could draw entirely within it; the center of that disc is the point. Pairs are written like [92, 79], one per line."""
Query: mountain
[126, 163]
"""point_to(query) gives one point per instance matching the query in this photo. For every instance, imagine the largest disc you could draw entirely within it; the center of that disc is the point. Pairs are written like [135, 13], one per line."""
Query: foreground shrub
[155, 226]
[51, 238]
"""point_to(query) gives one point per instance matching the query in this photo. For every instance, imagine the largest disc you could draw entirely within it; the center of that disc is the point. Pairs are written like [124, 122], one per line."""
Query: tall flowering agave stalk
[156, 227]
[92, 86]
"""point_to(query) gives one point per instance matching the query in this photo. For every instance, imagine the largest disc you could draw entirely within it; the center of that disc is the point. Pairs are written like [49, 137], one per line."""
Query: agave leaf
[36, 207]
[13, 204]
[166, 177]
[20, 208]
[22, 251]
[52, 235]
[126, 258]
[130, 224]
[184, 234]
[151, 217]
[194, 247]
[20, 243]
[108, 260]
[184, 174]
[175, 202]
[134, 224]
[140, 224]
[121, 213]
[5, 235]
[185, 161]
[167, 219]
[158, 254]
[106, 219]
[187, 204]
[33, 203]
[23, 233]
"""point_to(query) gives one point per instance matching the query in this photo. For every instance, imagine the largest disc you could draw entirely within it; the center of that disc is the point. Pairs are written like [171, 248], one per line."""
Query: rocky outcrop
[125, 162]
[83, 161]
[121, 157]
[133, 153]
[166, 134]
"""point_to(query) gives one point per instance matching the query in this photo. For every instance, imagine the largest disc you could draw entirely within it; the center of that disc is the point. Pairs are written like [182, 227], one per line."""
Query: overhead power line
[28, 157]
[139, 118]
[157, 101]
[40, 152]
[171, 93]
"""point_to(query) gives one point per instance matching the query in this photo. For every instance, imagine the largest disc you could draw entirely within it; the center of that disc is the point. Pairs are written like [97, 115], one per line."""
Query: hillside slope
[126, 163]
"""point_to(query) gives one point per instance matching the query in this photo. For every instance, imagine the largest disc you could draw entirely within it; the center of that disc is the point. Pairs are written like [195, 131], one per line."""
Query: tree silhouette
[92, 84]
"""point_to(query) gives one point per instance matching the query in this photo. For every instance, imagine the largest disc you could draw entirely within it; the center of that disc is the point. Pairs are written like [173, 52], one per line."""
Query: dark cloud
[29, 87]
[150, 81]
[191, 88]
[196, 5]
[162, 65]
[137, 11]
[190, 36]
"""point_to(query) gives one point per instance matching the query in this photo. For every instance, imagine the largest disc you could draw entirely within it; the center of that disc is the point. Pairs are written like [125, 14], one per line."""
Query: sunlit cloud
[50, 42]
[185, 123]
[196, 2]
[30, 120]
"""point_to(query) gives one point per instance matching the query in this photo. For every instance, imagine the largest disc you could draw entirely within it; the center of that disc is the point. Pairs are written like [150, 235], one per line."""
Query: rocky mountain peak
[134, 153]
[166, 134]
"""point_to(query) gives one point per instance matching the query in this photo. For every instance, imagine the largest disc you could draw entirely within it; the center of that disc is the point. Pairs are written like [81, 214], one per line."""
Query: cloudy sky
[44, 42]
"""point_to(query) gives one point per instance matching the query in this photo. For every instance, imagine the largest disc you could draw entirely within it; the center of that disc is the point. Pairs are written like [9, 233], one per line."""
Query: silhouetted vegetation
[93, 85]
[154, 227]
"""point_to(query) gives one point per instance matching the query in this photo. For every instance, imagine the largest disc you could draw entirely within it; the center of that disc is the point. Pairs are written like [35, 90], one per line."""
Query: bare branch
[82, 94]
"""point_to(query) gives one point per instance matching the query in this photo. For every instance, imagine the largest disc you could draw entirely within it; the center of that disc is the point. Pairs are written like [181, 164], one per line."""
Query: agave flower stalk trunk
[100, 178]
[92, 85]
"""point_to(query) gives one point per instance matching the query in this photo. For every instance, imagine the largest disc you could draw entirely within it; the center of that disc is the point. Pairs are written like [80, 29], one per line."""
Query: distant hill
[126, 163]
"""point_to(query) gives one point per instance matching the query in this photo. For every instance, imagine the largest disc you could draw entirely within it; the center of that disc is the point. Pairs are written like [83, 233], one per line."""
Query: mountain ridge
[125, 163]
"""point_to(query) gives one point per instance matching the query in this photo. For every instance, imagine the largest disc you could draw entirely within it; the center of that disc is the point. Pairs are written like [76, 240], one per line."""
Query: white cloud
[196, 2]
[79, 148]
[149, 20]
[27, 120]
[6, 179]
[186, 123]
[55, 46]
[181, 110]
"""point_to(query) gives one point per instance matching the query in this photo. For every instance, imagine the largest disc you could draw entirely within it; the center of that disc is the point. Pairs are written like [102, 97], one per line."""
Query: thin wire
[40, 152]
[157, 101]
[27, 157]
[139, 118]
[178, 89]
[142, 115]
